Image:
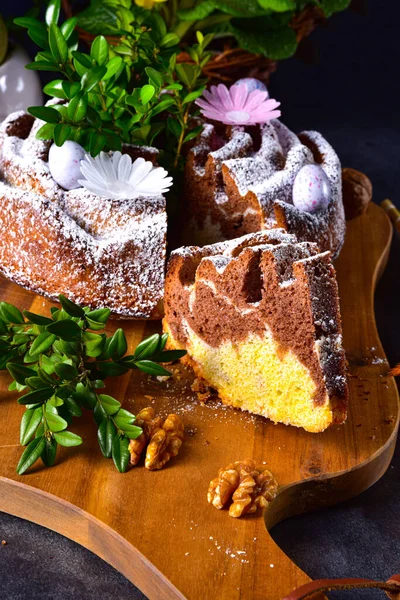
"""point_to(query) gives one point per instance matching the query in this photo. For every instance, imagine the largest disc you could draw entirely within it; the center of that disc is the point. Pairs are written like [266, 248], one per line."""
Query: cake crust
[97, 252]
[239, 181]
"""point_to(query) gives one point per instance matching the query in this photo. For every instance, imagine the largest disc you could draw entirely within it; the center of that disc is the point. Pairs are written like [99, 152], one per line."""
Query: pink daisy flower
[238, 106]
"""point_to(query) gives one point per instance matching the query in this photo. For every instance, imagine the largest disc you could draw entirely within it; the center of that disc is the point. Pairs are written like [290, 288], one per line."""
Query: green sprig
[60, 363]
[115, 94]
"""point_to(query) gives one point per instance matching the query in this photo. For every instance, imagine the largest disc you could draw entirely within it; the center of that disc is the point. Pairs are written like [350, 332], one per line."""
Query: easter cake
[259, 318]
[241, 180]
[99, 251]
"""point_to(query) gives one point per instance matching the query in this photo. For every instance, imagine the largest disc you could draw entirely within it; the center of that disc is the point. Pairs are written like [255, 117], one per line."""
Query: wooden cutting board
[156, 527]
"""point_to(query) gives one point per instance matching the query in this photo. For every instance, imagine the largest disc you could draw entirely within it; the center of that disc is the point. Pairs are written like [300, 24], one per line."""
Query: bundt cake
[259, 318]
[239, 180]
[97, 251]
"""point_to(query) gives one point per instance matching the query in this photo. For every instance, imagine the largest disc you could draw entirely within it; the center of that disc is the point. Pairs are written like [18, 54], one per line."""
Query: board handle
[307, 591]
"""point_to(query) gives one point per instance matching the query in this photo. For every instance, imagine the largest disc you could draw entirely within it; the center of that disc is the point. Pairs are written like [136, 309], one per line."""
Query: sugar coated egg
[252, 84]
[311, 189]
[65, 164]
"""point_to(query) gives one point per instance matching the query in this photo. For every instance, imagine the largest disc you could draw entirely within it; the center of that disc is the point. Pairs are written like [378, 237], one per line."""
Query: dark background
[346, 86]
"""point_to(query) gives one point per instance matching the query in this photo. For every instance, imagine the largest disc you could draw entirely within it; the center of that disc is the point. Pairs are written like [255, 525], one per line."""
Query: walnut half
[249, 487]
[163, 439]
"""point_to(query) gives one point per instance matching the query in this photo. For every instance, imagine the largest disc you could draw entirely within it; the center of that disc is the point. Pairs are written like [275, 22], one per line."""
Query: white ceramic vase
[19, 88]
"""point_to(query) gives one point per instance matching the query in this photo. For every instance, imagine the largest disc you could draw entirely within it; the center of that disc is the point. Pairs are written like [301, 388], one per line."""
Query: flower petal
[255, 98]
[239, 94]
[142, 169]
[225, 96]
[124, 168]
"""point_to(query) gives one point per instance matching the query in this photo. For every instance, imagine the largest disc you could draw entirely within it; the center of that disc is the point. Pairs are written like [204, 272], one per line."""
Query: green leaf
[72, 309]
[111, 369]
[45, 113]
[37, 319]
[65, 371]
[170, 355]
[73, 407]
[154, 76]
[151, 367]
[66, 329]
[97, 143]
[84, 395]
[99, 50]
[174, 126]
[131, 431]
[99, 18]
[10, 313]
[77, 108]
[48, 455]
[46, 132]
[30, 455]
[120, 453]
[270, 36]
[146, 93]
[113, 66]
[169, 40]
[109, 404]
[186, 73]
[105, 435]
[91, 78]
[100, 315]
[41, 65]
[147, 347]
[28, 22]
[71, 88]
[193, 95]
[29, 423]
[20, 372]
[42, 343]
[58, 45]
[278, 5]
[54, 422]
[37, 396]
[67, 28]
[123, 417]
[162, 105]
[201, 11]
[39, 36]
[193, 134]
[55, 89]
[68, 439]
[61, 133]
[118, 345]
[53, 11]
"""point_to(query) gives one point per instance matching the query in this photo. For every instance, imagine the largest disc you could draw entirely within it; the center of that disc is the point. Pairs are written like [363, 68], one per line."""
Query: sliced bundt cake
[240, 180]
[259, 318]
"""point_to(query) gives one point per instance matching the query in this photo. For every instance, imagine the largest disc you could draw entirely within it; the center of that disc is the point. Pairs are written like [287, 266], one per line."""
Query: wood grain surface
[156, 527]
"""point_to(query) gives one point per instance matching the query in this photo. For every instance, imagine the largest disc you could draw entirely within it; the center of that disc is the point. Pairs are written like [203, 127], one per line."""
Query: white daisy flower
[116, 177]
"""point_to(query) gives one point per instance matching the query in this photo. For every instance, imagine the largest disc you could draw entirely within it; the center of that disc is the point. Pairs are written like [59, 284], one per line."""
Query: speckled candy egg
[65, 164]
[311, 189]
[252, 84]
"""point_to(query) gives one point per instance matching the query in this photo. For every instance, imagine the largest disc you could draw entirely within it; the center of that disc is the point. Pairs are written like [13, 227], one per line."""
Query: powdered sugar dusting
[98, 252]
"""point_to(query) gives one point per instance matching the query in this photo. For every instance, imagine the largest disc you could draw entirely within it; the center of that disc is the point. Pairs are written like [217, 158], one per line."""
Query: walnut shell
[357, 193]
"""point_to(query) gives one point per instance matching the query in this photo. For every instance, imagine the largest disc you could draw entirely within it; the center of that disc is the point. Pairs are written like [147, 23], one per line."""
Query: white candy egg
[65, 164]
[252, 84]
[311, 189]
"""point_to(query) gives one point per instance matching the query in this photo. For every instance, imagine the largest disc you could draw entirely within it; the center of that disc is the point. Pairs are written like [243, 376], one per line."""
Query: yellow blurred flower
[149, 4]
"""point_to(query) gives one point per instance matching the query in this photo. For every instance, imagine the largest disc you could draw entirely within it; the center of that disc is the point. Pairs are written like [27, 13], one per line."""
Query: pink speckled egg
[65, 164]
[311, 189]
[252, 84]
